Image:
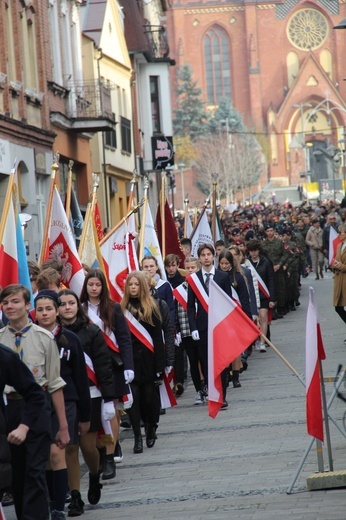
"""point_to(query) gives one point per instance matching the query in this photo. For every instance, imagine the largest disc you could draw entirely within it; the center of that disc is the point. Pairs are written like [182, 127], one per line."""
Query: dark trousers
[29, 461]
[342, 313]
[192, 351]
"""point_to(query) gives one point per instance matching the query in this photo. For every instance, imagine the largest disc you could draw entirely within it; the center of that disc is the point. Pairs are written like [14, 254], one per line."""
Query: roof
[93, 20]
[136, 39]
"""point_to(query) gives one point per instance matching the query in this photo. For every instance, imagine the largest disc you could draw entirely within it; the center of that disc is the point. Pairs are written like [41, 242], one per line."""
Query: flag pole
[326, 419]
[54, 168]
[68, 190]
[7, 202]
[287, 363]
[89, 212]
[200, 216]
[117, 226]
[213, 214]
[186, 212]
[133, 183]
[144, 214]
[162, 210]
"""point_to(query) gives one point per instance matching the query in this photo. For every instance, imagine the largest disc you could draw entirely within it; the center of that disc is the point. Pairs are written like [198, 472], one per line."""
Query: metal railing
[90, 99]
[157, 37]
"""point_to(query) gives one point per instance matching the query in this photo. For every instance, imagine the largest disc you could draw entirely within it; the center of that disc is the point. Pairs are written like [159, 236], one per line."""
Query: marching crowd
[74, 365]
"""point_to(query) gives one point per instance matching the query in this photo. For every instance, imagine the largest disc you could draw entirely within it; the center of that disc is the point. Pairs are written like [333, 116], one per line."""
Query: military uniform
[293, 267]
[274, 250]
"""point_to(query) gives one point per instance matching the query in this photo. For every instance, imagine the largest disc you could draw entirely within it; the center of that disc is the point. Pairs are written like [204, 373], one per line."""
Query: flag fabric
[219, 235]
[77, 220]
[119, 258]
[167, 396]
[334, 241]
[151, 244]
[62, 247]
[98, 222]
[2, 514]
[172, 242]
[13, 260]
[314, 352]
[91, 253]
[201, 234]
[230, 332]
[189, 228]
[180, 294]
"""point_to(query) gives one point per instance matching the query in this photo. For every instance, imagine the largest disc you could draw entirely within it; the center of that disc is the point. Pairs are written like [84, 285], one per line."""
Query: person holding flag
[266, 283]
[198, 301]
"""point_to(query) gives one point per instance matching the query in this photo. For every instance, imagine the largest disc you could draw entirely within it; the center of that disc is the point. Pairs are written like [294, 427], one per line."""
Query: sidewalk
[241, 463]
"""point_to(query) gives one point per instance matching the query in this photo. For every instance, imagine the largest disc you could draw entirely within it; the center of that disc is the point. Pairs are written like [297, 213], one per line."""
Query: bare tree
[235, 157]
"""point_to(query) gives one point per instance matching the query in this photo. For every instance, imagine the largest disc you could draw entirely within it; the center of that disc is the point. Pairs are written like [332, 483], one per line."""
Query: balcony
[156, 35]
[88, 107]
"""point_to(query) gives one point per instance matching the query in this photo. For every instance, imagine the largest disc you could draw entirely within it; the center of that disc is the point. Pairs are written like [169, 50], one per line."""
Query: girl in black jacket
[97, 304]
[148, 356]
[101, 385]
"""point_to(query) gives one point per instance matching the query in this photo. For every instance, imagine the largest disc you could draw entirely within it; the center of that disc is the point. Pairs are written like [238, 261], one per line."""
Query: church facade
[282, 65]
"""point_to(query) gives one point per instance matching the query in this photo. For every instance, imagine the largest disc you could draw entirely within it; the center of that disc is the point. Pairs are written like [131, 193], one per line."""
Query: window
[217, 65]
[155, 104]
[29, 50]
[10, 42]
[111, 137]
[125, 125]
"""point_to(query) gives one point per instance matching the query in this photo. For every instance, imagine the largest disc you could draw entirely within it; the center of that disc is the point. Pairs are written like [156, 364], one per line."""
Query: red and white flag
[314, 352]
[334, 241]
[230, 332]
[2, 514]
[119, 258]
[167, 396]
[62, 246]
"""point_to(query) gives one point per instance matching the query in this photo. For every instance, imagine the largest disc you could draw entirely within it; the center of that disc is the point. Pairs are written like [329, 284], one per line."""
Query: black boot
[138, 447]
[94, 492]
[235, 379]
[76, 506]
[109, 467]
[102, 452]
[151, 435]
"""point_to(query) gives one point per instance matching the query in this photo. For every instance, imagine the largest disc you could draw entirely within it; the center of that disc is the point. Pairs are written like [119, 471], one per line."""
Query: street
[241, 463]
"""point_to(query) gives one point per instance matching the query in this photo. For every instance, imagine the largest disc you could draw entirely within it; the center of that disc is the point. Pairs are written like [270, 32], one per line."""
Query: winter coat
[95, 347]
[314, 238]
[339, 295]
[147, 363]
[122, 335]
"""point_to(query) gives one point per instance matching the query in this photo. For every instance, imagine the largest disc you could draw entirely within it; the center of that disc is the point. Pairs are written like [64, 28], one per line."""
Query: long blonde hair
[147, 305]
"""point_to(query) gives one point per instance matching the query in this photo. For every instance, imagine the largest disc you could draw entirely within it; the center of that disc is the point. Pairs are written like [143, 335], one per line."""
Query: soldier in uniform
[293, 266]
[274, 250]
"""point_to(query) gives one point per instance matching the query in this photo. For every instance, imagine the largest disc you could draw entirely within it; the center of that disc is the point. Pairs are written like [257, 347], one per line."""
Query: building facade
[281, 64]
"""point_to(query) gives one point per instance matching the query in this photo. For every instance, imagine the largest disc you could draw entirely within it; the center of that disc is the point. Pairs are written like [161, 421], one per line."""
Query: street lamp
[301, 107]
[335, 158]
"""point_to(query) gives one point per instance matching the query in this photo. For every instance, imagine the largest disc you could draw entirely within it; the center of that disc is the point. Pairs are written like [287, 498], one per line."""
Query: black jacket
[198, 318]
[15, 373]
[73, 371]
[95, 347]
[122, 335]
[265, 269]
[242, 291]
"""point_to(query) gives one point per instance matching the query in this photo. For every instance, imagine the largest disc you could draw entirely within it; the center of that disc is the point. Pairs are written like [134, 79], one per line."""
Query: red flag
[334, 241]
[314, 352]
[230, 332]
[172, 242]
[98, 222]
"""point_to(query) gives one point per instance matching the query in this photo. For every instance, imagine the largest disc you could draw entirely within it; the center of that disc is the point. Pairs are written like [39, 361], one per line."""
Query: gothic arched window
[217, 65]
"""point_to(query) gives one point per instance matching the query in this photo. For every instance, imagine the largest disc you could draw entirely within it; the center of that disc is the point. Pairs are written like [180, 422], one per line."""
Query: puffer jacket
[314, 238]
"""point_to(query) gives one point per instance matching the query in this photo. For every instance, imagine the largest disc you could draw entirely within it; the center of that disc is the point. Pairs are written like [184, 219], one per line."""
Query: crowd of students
[89, 358]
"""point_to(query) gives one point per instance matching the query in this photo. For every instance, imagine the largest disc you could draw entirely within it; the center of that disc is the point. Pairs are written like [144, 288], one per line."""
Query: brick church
[282, 64]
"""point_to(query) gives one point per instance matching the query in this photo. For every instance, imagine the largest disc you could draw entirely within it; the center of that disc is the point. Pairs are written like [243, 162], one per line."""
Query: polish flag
[314, 352]
[2, 514]
[334, 241]
[62, 246]
[230, 332]
[167, 396]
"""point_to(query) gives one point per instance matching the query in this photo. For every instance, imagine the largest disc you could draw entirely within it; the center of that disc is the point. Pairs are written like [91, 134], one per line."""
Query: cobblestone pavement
[241, 463]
